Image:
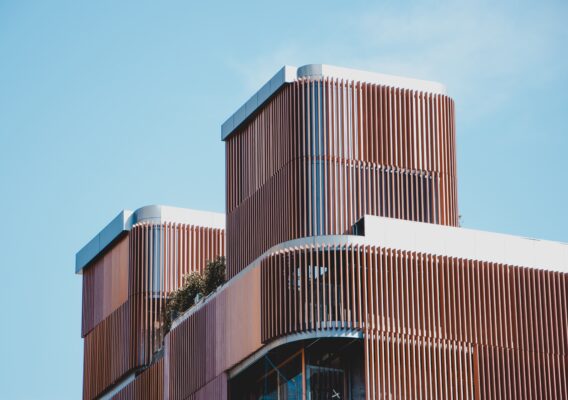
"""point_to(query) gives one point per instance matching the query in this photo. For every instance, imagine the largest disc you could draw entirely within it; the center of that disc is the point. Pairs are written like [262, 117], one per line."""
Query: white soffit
[156, 214]
[289, 74]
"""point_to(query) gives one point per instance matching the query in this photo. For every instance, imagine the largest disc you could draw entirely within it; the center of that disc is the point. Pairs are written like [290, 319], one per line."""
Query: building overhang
[438, 240]
[420, 237]
[155, 214]
[466, 243]
[288, 74]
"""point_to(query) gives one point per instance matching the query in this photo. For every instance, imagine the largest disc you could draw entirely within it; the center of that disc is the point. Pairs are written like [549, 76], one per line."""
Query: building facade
[348, 274]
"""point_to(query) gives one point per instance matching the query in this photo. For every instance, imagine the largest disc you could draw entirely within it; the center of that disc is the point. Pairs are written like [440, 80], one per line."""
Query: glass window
[328, 369]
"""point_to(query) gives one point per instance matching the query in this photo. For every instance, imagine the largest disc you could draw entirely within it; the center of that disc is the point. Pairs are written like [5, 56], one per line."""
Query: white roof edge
[440, 240]
[155, 214]
[315, 71]
[421, 237]
[444, 240]
[102, 239]
[286, 74]
[159, 214]
[290, 73]
[467, 243]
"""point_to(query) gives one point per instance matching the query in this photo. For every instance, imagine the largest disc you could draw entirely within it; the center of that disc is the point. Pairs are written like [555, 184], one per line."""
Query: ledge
[467, 243]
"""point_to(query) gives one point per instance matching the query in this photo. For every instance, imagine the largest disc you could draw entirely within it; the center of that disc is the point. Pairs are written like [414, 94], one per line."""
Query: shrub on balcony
[194, 284]
[215, 275]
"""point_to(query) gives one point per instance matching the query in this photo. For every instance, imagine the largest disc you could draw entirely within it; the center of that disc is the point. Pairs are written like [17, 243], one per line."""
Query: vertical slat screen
[433, 326]
[214, 338]
[323, 153]
[157, 256]
[149, 385]
[107, 352]
[311, 162]
[105, 285]
[427, 319]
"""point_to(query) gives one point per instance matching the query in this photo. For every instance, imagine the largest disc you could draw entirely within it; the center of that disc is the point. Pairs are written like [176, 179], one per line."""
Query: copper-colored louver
[307, 164]
[323, 153]
[139, 270]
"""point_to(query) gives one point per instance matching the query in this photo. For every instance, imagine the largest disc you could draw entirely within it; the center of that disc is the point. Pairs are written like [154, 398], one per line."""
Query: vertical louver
[141, 269]
[434, 326]
[323, 153]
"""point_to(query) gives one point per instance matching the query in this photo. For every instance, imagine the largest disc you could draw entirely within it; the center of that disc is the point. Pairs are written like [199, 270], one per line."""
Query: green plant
[194, 284]
[215, 275]
[183, 298]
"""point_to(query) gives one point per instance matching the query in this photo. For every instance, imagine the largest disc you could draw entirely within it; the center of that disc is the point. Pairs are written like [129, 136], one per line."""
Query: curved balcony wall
[434, 326]
[463, 322]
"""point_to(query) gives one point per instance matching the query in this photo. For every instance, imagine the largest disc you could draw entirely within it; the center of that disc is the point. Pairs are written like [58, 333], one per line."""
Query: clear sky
[107, 105]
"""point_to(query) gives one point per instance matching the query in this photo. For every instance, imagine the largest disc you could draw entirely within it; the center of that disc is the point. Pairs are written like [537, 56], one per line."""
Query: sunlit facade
[348, 274]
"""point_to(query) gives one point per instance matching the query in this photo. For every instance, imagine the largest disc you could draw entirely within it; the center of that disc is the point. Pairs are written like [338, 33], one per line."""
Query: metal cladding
[139, 270]
[434, 326]
[314, 161]
[324, 152]
[105, 285]
[108, 352]
[147, 386]
[214, 337]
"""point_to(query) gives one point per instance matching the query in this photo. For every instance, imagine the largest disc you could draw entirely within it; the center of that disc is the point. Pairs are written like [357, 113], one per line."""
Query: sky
[106, 105]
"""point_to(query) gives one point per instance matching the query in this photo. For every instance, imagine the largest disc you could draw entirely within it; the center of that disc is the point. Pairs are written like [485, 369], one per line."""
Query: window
[327, 369]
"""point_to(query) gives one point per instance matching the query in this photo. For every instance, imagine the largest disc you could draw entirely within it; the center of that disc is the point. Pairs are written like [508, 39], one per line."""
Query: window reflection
[325, 369]
[282, 381]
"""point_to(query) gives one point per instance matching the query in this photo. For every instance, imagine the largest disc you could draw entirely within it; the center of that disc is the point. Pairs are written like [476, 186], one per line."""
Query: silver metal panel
[118, 387]
[284, 75]
[105, 237]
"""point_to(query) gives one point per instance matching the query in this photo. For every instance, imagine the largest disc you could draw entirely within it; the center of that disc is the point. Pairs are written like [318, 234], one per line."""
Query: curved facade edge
[376, 239]
[338, 302]
[294, 337]
[441, 240]
[290, 244]
[160, 214]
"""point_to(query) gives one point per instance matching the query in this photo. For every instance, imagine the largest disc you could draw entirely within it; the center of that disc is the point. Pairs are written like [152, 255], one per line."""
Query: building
[348, 274]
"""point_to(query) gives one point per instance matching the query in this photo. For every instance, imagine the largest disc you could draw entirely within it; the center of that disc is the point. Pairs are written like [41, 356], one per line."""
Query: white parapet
[466, 243]
[157, 214]
[290, 73]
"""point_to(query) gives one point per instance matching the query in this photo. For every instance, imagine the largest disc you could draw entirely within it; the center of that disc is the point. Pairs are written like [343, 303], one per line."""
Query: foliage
[215, 275]
[194, 284]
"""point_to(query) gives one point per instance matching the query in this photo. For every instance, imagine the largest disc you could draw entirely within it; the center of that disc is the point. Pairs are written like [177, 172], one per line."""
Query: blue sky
[107, 105]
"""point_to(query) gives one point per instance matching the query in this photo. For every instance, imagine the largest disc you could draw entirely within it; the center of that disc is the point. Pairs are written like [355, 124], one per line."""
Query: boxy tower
[319, 147]
[348, 275]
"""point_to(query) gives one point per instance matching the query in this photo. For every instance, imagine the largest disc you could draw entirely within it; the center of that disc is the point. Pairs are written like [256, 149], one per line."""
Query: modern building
[348, 274]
